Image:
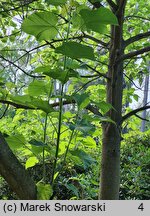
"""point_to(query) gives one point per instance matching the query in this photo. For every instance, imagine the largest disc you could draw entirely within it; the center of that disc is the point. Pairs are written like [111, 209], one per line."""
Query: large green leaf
[83, 126]
[76, 50]
[31, 162]
[37, 88]
[57, 73]
[96, 20]
[21, 99]
[89, 142]
[72, 188]
[86, 159]
[56, 2]
[41, 24]
[2, 81]
[42, 105]
[82, 100]
[78, 22]
[37, 143]
[104, 107]
[44, 191]
[32, 102]
[16, 141]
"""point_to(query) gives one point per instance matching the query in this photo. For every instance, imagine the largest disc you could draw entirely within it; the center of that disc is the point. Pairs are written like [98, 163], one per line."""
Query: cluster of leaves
[65, 48]
[135, 167]
[44, 134]
[27, 142]
[81, 180]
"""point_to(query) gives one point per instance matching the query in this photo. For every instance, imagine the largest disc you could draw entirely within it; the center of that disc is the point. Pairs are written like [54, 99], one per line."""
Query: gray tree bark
[15, 174]
[110, 165]
[146, 87]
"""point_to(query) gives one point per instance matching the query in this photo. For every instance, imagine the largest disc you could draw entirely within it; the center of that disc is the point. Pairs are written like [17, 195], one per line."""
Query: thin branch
[89, 107]
[132, 82]
[46, 44]
[4, 111]
[59, 15]
[93, 109]
[84, 85]
[134, 53]
[15, 65]
[137, 17]
[29, 51]
[133, 112]
[95, 40]
[6, 36]
[112, 5]
[127, 63]
[80, 37]
[18, 106]
[18, 7]
[141, 118]
[136, 38]
[93, 69]
[60, 40]
[89, 76]
[96, 4]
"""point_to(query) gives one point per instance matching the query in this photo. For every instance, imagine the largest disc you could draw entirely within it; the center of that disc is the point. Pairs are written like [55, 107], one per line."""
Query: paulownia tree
[111, 36]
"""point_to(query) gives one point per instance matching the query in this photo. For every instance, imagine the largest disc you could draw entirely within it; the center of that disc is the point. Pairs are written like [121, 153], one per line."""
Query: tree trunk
[15, 174]
[146, 86]
[110, 167]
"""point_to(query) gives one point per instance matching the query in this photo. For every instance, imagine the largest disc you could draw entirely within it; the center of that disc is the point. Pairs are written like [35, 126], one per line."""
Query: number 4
[141, 207]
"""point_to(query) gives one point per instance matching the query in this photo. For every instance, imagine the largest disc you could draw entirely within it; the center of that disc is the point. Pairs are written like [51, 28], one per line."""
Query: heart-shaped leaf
[41, 24]
[31, 162]
[96, 20]
[76, 50]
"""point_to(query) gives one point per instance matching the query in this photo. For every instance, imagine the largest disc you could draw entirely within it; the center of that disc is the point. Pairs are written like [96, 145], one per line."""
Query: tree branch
[133, 112]
[136, 38]
[134, 53]
[6, 36]
[4, 111]
[141, 118]
[132, 82]
[112, 5]
[89, 107]
[95, 40]
[18, 106]
[18, 7]
[15, 65]
[137, 17]
[96, 4]
[93, 69]
[29, 51]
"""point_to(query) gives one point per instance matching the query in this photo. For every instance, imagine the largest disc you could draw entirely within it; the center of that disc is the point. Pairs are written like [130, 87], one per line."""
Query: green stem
[44, 137]
[43, 152]
[58, 134]
[71, 137]
[60, 110]
[67, 149]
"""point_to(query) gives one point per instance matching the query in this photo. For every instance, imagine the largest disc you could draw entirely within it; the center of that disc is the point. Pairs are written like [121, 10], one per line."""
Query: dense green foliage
[135, 167]
[80, 182]
[53, 72]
